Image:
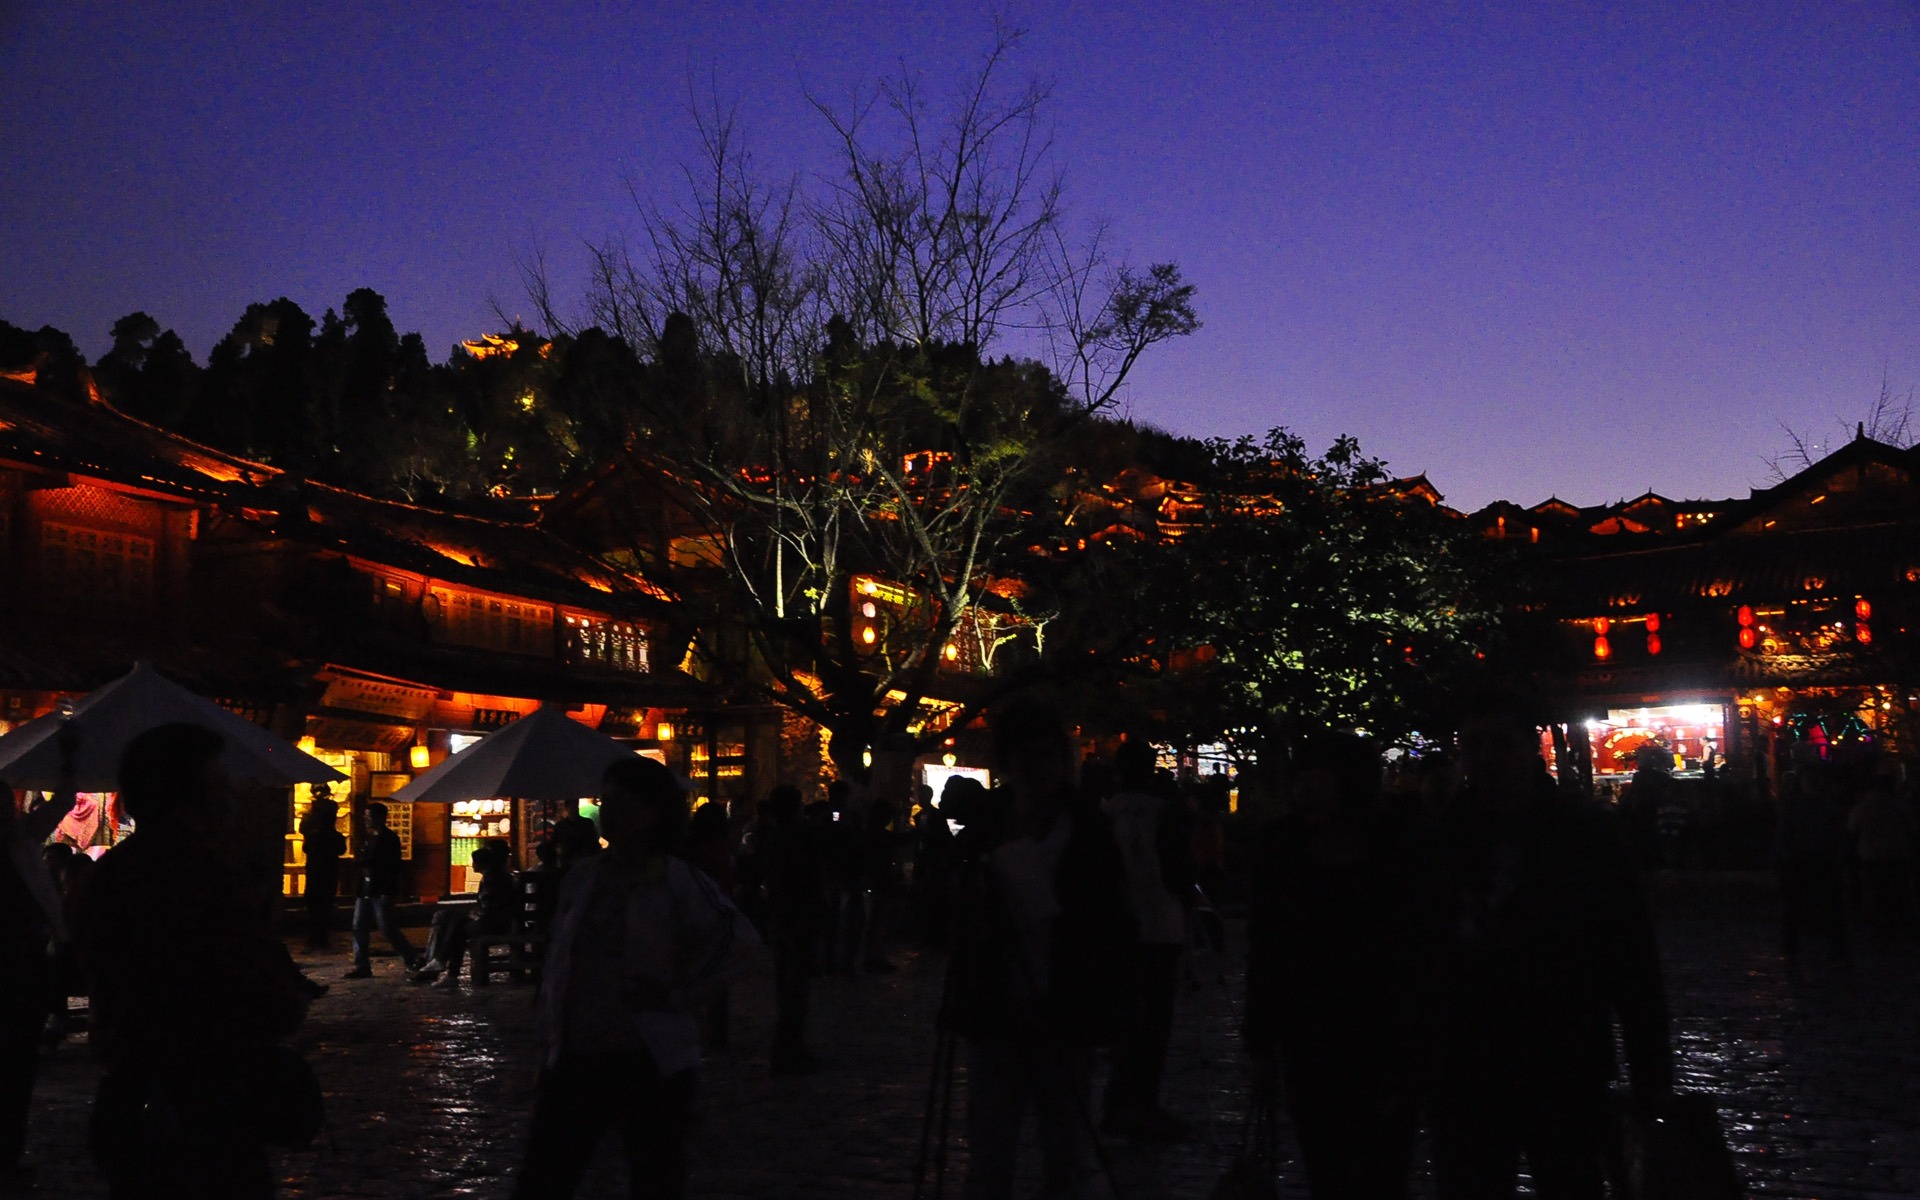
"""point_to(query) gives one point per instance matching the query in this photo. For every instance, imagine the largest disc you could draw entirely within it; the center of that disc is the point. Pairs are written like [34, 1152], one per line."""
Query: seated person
[494, 912]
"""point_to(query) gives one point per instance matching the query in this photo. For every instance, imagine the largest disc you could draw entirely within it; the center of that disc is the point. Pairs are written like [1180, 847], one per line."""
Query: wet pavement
[1817, 1074]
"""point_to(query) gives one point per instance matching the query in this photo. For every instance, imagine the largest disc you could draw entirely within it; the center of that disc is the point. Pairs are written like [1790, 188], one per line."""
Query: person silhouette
[640, 942]
[191, 986]
[1335, 958]
[381, 866]
[31, 918]
[323, 846]
[1044, 940]
[1548, 940]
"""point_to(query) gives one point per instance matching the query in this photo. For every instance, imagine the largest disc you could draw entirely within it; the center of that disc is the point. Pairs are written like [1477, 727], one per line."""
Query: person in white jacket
[640, 942]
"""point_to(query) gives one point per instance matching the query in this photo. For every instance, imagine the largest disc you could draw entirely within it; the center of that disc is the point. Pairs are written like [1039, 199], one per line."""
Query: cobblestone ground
[428, 1089]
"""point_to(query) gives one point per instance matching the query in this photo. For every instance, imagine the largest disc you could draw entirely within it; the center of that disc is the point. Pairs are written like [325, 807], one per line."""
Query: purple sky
[1528, 249]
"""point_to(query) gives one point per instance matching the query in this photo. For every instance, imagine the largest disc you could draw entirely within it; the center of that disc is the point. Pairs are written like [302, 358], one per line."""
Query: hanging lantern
[1602, 650]
[1653, 622]
[1863, 634]
[1747, 637]
[1862, 609]
[1653, 644]
[1600, 626]
[1746, 614]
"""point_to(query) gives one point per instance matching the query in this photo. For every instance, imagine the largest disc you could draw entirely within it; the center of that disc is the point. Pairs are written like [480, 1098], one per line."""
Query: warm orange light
[867, 635]
[1653, 622]
[1863, 634]
[1600, 626]
[1747, 638]
[420, 758]
[1602, 649]
[1746, 615]
[1653, 644]
[1863, 610]
[663, 731]
[308, 745]
[952, 652]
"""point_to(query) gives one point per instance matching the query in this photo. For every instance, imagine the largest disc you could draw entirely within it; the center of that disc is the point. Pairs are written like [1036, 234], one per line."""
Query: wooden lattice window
[94, 570]
[606, 643]
[463, 618]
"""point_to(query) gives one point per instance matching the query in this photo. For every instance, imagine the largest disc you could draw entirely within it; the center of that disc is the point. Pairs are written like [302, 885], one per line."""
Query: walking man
[380, 867]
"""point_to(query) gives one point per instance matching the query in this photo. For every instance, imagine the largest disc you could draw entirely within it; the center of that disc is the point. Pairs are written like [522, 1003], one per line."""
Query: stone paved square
[428, 1089]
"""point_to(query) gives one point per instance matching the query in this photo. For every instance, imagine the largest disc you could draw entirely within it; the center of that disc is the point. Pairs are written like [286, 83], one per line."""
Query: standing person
[1334, 973]
[1809, 851]
[380, 869]
[879, 865]
[1548, 941]
[1040, 967]
[796, 909]
[710, 848]
[640, 941]
[1154, 835]
[1883, 830]
[31, 918]
[191, 987]
[320, 837]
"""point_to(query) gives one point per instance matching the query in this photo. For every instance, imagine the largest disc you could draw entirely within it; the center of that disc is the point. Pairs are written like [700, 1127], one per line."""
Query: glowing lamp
[663, 732]
[1653, 644]
[1602, 649]
[1653, 622]
[1600, 626]
[1746, 614]
[952, 652]
[1746, 638]
[1863, 634]
[867, 635]
[419, 758]
[949, 758]
[869, 610]
[308, 745]
[1863, 610]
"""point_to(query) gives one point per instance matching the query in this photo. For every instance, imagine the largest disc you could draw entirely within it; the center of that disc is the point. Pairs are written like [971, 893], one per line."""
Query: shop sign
[378, 697]
[343, 733]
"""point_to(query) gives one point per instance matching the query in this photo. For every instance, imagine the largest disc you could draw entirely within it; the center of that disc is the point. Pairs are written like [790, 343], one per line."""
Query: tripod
[936, 1120]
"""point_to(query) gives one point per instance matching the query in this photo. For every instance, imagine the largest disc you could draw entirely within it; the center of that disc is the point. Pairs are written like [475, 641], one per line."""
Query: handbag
[1678, 1153]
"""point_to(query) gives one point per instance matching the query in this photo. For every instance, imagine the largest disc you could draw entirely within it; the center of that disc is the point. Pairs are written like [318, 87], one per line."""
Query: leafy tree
[50, 353]
[1315, 593]
[148, 373]
[865, 384]
[257, 398]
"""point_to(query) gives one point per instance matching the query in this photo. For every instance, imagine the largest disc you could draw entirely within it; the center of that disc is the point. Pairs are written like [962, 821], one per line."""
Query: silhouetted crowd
[1472, 955]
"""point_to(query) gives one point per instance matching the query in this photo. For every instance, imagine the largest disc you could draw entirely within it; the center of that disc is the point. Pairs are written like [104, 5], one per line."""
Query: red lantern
[1601, 649]
[1600, 626]
[1863, 634]
[1746, 638]
[1653, 622]
[1746, 615]
[1863, 610]
[1653, 644]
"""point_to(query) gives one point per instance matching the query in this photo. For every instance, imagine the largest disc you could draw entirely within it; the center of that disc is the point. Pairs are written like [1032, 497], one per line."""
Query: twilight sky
[1526, 248]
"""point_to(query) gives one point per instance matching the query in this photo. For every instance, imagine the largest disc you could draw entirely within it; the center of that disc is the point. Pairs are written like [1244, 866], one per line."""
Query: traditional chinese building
[384, 635]
[1739, 634]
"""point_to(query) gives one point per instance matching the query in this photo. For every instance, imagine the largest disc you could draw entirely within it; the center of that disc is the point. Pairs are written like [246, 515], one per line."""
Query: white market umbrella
[110, 716]
[548, 757]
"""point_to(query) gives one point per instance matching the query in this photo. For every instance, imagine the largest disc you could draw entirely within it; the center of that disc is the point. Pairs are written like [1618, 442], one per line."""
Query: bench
[525, 949]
